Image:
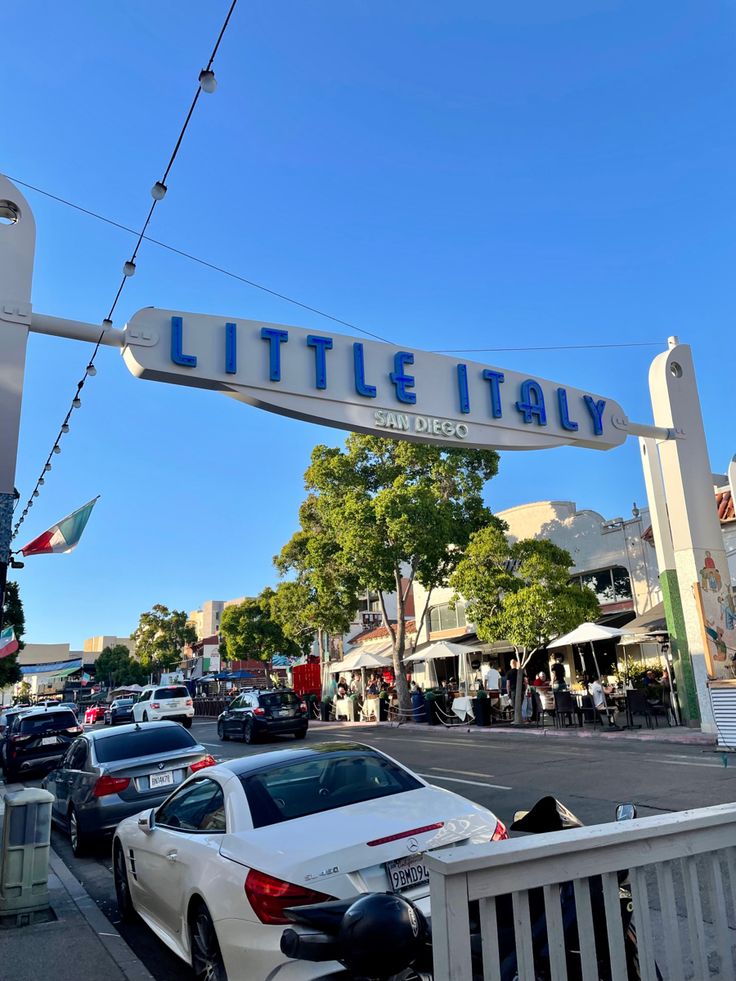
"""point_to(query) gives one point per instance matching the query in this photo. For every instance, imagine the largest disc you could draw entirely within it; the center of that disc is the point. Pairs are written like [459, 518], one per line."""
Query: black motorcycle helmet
[380, 935]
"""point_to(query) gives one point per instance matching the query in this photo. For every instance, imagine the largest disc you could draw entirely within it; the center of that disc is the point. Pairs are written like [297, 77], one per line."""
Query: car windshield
[33, 724]
[277, 698]
[142, 742]
[122, 702]
[322, 783]
[173, 692]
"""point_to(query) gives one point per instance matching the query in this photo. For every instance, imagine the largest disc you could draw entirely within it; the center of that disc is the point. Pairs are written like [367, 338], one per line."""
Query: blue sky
[468, 174]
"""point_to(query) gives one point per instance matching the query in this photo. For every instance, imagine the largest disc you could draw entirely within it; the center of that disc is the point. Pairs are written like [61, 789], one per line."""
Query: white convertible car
[213, 868]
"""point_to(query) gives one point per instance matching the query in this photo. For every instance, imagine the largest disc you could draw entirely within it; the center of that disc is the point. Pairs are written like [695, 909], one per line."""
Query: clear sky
[470, 174]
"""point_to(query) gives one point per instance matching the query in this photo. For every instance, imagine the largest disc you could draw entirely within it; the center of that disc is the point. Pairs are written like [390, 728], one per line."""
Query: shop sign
[367, 386]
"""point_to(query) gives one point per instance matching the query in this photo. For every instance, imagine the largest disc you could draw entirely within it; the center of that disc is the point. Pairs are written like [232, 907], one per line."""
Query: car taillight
[303, 707]
[189, 703]
[75, 730]
[110, 785]
[260, 711]
[201, 764]
[500, 834]
[18, 738]
[155, 705]
[269, 896]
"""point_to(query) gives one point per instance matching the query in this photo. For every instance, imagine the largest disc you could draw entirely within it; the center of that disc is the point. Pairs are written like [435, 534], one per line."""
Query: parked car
[95, 713]
[6, 721]
[355, 821]
[37, 740]
[121, 710]
[158, 702]
[72, 706]
[259, 713]
[108, 774]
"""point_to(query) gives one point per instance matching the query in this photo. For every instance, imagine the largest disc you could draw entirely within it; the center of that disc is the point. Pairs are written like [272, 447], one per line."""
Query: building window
[443, 617]
[609, 585]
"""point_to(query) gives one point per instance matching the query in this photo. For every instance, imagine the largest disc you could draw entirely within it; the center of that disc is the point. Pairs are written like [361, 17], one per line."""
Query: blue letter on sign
[565, 421]
[177, 355]
[596, 412]
[402, 381]
[231, 349]
[275, 339]
[531, 409]
[369, 391]
[320, 345]
[462, 384]
[495, 378]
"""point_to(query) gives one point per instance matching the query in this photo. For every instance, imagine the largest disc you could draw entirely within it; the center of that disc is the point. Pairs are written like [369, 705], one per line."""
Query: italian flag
[8, 643]
[64, 536]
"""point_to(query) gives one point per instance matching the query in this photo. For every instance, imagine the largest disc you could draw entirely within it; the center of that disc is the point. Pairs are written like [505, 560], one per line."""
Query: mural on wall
[718, 618]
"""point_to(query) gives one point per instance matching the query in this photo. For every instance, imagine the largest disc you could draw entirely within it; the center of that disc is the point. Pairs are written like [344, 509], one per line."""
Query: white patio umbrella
[442, 648]
[587, 633]
[359, 660]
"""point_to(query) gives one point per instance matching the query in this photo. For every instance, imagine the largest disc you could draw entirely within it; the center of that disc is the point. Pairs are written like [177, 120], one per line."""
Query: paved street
[503, 771]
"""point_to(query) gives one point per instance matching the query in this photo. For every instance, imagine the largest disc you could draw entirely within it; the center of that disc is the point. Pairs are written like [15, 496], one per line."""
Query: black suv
[37, 740]
[258, 713]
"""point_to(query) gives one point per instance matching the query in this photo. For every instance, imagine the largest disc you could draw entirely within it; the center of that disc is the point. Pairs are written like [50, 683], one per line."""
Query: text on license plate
[49, 741]
[405, 872]
[161, 780]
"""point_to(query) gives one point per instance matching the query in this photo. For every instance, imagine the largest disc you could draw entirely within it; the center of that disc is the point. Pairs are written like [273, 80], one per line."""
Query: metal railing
[683, 897]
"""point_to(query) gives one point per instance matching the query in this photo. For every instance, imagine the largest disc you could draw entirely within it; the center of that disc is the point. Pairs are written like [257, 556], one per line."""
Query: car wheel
[221, 734]
[122, 886]
[301, 734]
[76, 835]
[206, 955]
[249, 735]
[187, 722]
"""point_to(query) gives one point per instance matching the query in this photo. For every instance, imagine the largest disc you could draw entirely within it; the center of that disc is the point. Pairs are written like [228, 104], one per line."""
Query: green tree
[520, 592]
[160, 637]
[14, 617]
[115, 666]
[249, 630]
[383, 513]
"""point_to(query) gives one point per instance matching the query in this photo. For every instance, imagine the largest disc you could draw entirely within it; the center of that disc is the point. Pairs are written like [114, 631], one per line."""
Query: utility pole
[17, 247]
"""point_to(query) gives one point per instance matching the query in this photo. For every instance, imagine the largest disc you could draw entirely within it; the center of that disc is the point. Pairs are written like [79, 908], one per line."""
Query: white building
[206, 621]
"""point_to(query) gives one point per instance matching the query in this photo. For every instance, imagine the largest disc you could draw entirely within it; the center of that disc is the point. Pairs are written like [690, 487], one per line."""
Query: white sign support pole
[17, 247]
[697, 541]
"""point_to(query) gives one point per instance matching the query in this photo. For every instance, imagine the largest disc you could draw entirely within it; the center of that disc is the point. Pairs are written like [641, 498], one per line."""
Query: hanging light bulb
[207, 81]
[91, 370]
[35, 493]
[42, 480]
[57, 448]
[106, 323]
[129, 268]
[158, 191]
[47, 467]
[76, 402]
[65, 427]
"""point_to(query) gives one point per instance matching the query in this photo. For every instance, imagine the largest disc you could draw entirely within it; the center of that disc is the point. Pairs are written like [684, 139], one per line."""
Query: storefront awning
[653, 621]
[55, 668]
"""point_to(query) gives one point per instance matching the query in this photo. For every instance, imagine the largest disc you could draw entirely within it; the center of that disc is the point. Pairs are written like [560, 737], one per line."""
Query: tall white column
[17, 246]
[697, 542]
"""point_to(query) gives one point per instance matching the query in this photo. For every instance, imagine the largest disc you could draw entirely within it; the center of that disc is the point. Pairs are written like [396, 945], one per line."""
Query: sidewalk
[80, 943]
[675, 735]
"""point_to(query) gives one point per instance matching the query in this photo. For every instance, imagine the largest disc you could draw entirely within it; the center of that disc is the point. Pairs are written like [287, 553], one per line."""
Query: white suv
[157, 702]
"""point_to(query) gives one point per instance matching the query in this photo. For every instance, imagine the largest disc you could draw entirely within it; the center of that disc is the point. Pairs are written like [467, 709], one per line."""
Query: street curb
[105, 932]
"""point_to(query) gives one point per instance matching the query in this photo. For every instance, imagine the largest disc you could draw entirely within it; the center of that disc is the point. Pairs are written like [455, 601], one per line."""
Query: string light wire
[206, 83]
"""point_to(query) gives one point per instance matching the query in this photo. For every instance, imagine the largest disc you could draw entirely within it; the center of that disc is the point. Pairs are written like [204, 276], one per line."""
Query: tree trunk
[402, 686]
[519, 699]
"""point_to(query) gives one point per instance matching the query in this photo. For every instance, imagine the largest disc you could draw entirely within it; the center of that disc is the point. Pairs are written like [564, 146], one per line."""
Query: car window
[200, 806]
[313, 786]
[279, 698]
[237, 703]
[144, 696]
[142, 742]
[34, 724]
[76, 758]
[172, 691]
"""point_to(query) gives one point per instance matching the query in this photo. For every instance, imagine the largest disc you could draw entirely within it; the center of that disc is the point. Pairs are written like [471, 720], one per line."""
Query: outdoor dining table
[346, 707]
[462, 706]
[371, 708]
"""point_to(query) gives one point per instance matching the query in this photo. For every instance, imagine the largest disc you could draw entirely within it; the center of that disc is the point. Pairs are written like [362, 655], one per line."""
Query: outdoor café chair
[541, 710]
[566, 708]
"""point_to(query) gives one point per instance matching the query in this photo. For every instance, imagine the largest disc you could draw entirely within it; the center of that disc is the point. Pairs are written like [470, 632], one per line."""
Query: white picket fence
[683, 885]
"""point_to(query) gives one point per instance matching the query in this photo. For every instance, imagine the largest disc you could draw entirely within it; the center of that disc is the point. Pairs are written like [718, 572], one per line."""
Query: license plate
[49, 741]
[283, 713]
[161, 780]
[406, 872]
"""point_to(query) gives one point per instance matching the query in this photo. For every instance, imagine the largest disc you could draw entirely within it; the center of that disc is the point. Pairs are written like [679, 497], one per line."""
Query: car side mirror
[626, 812]
[518, 815]
[147, 821]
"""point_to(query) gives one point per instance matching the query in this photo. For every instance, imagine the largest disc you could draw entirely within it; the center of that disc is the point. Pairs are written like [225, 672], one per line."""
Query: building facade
[206, 621]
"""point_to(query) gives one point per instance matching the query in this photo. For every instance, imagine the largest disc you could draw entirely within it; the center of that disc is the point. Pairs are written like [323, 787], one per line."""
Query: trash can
[324, 710]
[418, 707]
[482, 710]
[24, 854]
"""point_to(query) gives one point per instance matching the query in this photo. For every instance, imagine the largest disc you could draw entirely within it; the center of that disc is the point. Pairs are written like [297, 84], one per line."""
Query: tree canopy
[116, 666]
[160, 636]
[13, 616]
[520, 592]
[382, 513]
[249, 630]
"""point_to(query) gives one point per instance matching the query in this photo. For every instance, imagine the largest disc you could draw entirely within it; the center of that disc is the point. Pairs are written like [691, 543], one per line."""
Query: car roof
[45, 709]
[244, 765]
[109, 733]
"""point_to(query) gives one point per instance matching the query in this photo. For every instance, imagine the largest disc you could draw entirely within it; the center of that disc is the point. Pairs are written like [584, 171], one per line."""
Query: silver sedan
[109, 774]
